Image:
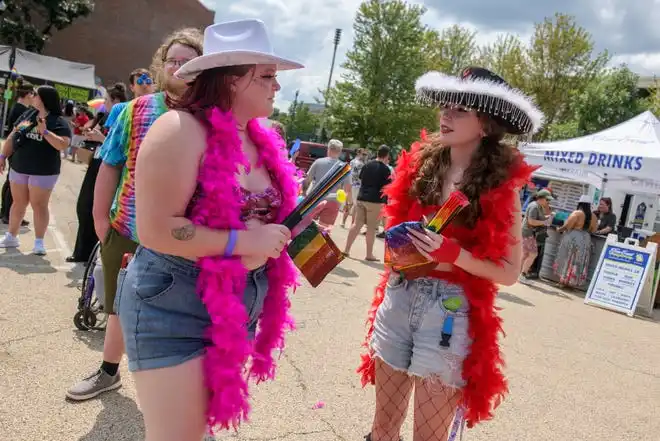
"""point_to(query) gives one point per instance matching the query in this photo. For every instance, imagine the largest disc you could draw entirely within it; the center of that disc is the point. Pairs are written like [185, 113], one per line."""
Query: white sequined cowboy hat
[479, 89]
[235, 43]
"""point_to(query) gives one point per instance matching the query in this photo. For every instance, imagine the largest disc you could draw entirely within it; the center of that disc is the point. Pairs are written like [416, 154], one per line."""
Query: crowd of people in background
[210, 109]
[572, 260]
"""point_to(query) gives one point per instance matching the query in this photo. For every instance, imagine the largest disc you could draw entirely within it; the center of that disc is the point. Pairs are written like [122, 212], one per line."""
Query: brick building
[121, 35]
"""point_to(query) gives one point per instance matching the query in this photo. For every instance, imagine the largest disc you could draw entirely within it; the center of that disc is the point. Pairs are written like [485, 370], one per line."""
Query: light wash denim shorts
[163, 318]
[408, 330]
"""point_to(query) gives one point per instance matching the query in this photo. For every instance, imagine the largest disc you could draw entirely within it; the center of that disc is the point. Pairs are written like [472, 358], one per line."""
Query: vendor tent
[569, 175]
[630, 150]
[54, 70]
[621, 183]
[5, 55]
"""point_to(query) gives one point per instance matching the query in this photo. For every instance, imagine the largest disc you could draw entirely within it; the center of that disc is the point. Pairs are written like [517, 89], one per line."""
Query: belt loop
[435, 294]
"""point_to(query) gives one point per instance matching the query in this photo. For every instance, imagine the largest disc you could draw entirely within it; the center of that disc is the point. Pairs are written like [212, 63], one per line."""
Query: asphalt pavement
[576, 372]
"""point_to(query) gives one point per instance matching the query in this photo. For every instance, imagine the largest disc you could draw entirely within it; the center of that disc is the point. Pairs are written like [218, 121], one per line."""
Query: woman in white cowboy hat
[212, 185]
[438, 334]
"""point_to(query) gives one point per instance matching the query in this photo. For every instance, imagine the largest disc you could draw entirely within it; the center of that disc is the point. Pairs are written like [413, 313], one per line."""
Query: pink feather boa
[223, 280]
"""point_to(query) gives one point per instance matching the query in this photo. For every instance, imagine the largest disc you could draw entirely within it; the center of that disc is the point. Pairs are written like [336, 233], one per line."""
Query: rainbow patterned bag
[400, 253]
[314, 254]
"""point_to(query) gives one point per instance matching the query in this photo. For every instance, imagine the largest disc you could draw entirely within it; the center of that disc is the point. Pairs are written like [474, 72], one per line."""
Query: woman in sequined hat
[438, 335]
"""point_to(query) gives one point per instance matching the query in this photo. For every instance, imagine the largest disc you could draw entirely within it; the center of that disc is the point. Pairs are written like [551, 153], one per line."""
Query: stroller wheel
[79, 321]
[89, 319]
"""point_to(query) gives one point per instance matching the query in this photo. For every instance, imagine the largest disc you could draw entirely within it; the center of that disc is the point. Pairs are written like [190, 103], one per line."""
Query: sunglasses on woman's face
[176, 63]
[144, 79]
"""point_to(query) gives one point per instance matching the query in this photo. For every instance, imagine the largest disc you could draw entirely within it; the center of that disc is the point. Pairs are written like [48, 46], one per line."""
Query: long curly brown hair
[490, 166]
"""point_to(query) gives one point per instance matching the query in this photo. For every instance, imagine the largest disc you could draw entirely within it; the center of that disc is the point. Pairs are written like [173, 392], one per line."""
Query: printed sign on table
[619, 278]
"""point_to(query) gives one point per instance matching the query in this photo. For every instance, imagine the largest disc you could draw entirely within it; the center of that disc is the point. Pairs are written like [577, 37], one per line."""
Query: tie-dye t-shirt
[121, 148]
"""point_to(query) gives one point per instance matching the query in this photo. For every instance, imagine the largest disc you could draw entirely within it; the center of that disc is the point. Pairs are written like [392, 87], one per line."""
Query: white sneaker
[9, 241]
[39, 248]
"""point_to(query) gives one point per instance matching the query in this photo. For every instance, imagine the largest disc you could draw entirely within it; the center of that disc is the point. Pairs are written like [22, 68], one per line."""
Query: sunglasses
[176, 63]
[144, 79]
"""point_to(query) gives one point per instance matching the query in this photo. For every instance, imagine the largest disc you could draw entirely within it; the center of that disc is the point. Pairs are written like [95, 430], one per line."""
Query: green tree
[277, 115]
[507, 57]
[560, 62]
[29, 23]
[652, 102]
[609, 99]
[374, 102]
[451, 50]
[300, 122]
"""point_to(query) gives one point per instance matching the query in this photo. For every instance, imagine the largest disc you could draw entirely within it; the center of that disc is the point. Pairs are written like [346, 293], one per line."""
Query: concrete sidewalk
[575, 372]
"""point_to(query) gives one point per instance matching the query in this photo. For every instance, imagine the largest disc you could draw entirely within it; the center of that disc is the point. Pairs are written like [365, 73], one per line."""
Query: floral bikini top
[262, 206]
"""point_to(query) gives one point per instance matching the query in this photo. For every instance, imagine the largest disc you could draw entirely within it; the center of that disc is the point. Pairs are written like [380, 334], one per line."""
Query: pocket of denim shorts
[153, 283]
[395, 281]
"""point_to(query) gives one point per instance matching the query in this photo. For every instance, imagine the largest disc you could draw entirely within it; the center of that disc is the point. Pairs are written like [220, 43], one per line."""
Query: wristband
[46, 132]
[2, 157]
[231, 243]
[448, 251]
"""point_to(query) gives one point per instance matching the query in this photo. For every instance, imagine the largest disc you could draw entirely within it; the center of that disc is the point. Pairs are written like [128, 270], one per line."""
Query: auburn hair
[490, 166]
[211, 88]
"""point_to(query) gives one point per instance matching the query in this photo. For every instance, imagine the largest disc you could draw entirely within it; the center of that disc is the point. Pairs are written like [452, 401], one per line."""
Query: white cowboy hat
[584, 199]
[482, 90]
[235, 43]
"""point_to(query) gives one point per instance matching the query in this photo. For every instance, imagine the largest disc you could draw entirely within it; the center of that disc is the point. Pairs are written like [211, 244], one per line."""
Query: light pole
[327, 89]
[332, 66]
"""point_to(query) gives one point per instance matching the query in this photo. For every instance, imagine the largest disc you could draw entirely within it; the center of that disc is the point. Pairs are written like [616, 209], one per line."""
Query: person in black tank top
[23, 104]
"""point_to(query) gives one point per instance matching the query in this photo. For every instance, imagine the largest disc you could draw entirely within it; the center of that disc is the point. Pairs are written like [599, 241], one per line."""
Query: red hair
[211, 88]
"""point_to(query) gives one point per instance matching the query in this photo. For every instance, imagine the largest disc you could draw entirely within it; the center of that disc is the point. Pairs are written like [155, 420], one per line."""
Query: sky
[303, 30]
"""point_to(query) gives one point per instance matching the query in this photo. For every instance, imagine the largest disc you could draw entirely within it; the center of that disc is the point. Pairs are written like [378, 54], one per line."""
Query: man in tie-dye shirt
[114, 195]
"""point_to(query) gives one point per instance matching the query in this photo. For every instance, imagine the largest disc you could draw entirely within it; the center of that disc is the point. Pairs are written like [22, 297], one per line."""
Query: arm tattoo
[185, 233]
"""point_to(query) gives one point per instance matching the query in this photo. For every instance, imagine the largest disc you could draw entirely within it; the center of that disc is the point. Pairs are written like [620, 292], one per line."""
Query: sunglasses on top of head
[144, 79]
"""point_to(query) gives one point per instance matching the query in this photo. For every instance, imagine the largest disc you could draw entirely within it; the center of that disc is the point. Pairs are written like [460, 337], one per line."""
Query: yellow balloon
[341, 196]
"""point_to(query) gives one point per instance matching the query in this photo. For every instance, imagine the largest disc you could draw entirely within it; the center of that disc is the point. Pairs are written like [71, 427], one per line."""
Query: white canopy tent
[5, 55]
[55, 69]
[621, 183]
[628, 153]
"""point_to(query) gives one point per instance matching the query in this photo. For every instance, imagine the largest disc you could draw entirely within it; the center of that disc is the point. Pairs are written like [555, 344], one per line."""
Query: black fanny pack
[541, 235]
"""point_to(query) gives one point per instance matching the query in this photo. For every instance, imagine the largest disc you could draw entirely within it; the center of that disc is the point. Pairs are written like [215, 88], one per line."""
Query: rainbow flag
[400, 253]
[449, 210]
[314, 254]
[318, 193]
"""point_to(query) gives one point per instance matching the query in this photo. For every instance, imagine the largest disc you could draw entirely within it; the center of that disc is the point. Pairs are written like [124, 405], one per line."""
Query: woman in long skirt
[572, 264]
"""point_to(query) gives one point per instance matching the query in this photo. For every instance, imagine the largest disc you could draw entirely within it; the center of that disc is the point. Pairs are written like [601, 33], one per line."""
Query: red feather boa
[482, 369]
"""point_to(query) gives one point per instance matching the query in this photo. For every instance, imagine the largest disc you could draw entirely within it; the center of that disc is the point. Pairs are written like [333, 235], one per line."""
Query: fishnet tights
[434, 405]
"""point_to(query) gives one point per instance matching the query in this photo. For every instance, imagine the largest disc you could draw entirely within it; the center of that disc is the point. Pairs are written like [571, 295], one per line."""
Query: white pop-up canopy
[55, 69]
[618, 182]
[630, 150]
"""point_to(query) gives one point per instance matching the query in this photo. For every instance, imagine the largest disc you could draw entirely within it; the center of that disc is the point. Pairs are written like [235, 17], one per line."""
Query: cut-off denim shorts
[162, 317]
[409, 326]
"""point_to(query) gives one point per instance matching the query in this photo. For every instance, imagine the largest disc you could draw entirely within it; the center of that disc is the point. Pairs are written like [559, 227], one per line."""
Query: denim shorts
[408, 330]
[162, 317]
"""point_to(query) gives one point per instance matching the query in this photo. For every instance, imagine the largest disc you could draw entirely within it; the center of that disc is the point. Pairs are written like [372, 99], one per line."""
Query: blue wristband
[231, 243]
